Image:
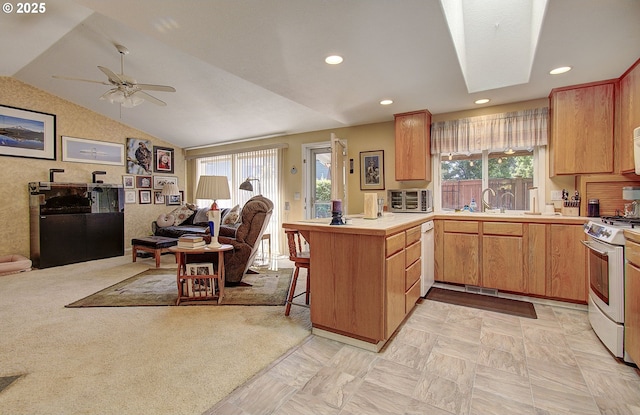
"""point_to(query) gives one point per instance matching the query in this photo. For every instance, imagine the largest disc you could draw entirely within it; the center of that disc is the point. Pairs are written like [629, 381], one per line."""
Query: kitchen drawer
[632, 252]
[460, 226]
[413, 235]
[502, 228]
[413, 253]
[411, 297]
[394, 243]
[412, 274]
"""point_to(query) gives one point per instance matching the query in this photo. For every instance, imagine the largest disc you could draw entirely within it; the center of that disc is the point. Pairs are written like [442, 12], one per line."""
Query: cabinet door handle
[588, 245]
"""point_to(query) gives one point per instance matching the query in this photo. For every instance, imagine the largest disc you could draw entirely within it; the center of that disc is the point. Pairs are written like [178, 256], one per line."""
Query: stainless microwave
[410, 200]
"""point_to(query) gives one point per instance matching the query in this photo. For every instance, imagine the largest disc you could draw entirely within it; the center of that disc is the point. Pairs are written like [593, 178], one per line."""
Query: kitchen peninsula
[365, 276]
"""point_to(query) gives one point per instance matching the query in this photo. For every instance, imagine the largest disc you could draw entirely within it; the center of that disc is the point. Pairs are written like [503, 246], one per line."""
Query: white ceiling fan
[127, 92]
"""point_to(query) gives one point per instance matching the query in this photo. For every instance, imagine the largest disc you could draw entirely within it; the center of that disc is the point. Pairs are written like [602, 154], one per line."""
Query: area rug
[157, 287]
[483, 302]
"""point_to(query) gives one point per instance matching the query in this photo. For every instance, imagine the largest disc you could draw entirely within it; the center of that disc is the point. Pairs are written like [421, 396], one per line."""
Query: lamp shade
[246, 185]
[213, 188]
[170, 189]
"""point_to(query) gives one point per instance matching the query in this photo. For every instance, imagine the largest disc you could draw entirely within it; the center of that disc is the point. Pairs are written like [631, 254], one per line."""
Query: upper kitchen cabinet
[581, 122]
[413, 144]
[629, 115]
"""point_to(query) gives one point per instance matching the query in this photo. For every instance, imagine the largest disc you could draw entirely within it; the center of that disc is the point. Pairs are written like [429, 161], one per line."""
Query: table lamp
[170, 189]
[213, 188]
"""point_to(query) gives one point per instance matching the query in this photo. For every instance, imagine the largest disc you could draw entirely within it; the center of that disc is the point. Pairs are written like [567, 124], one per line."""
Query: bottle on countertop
[473, 206]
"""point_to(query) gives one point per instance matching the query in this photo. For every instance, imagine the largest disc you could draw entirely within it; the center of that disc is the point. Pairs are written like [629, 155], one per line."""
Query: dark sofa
[244, 236]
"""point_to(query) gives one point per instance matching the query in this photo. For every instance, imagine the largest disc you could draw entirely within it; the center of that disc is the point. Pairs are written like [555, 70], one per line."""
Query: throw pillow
[181, 214]
[165, 220]
[232, 217]
[201, 216]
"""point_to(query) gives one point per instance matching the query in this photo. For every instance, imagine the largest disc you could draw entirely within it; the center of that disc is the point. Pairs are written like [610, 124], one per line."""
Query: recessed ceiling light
[482, 101]
[558, 71]
[334, 60]
[386, 102]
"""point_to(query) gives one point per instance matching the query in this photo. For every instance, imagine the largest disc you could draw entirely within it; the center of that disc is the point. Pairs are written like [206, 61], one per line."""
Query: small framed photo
[158, 199]
[145, 197]
[160, 181]
[128, 182]
[372, 170]
[162, 159]
[173, 200]
[143, 182]
[129, 196]
[200, 269]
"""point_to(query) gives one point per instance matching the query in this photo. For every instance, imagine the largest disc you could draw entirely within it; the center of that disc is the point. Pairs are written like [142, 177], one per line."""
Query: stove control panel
[605, 233]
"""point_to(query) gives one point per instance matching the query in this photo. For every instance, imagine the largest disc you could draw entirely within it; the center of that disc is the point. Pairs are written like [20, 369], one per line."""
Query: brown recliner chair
[254, 218]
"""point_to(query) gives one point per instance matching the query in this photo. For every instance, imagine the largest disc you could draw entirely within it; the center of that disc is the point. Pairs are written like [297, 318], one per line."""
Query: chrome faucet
[485, 205]
[502, 200]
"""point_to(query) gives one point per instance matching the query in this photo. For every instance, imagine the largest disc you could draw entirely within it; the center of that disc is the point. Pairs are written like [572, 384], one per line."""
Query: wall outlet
[556, 195]
[296, 196]
[287, 206]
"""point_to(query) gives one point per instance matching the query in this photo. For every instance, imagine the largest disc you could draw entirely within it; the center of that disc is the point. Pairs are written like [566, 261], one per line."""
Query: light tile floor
[448, 359]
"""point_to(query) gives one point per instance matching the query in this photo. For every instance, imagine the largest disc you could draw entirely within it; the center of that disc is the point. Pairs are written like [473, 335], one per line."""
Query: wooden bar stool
[301, 260]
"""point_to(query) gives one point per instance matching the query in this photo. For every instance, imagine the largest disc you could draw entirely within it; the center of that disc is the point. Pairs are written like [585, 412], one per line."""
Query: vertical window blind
[263, 165]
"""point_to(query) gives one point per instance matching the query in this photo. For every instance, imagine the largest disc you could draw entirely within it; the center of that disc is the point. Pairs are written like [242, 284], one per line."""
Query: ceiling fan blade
[151, 87]
[113, 78]
[66, 78]
[150, 98]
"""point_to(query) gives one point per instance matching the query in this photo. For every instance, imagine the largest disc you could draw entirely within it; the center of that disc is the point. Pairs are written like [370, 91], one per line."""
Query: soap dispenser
[473, 206]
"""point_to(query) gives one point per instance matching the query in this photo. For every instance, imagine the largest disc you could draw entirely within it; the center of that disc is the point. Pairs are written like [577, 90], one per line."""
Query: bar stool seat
[301, 259]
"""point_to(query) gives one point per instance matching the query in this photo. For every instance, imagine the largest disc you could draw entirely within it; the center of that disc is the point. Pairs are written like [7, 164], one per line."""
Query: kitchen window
[464, 177]
[504, 152]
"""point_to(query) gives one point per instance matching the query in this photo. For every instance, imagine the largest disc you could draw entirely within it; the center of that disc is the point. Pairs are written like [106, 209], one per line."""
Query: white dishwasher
[427, 238]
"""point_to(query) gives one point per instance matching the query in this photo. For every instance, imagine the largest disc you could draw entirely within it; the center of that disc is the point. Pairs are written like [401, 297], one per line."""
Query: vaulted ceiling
[254, 68]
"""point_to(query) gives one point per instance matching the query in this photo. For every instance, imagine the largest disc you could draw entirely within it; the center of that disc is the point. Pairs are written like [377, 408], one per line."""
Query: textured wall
[74, 121]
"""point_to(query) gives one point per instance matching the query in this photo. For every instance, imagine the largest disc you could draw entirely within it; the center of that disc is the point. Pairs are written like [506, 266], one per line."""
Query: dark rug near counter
[483, 302]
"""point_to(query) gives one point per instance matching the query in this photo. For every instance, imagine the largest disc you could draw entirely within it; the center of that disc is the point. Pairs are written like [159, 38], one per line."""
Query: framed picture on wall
[160, 181]
[129, 196]
[145, 197]
[81, 150]
[158, 199]
[139, 156]
[143, 182]
[25, 133]
[173, 200]
[163, 159]
[372, 170]
[128, 182]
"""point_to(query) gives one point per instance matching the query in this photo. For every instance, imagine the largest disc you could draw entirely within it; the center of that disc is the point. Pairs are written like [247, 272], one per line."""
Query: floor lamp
[246, 185]
[213, 188]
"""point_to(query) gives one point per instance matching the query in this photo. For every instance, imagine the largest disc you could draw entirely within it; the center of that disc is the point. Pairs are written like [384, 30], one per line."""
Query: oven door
[606, 277]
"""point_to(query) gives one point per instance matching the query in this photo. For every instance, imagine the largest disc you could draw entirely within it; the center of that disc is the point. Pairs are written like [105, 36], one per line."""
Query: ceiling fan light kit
[128, 92]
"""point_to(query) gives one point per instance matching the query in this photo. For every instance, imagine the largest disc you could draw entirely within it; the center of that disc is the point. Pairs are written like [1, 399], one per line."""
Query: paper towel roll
[370, 205]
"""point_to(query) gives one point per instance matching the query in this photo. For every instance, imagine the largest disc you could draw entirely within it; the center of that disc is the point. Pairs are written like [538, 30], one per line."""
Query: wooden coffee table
[205, 283]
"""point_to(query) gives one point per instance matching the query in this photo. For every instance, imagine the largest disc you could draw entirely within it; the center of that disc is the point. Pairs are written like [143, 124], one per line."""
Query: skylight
[495, 40]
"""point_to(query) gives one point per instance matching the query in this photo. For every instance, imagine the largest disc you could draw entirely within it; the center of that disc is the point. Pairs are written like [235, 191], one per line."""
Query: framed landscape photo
[160, 181]
[25, 133]
[81, 150]
[163, 159]
[372, 170]
[144, 197]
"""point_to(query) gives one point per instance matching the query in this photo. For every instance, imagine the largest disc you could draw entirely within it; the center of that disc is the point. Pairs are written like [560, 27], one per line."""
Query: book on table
[190, 238]
[192, 245]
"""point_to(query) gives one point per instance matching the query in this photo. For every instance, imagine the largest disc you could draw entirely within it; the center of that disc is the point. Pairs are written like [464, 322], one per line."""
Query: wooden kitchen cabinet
[582, 129]
[413, 145]
[629, 115]
[460, 262]
[502, 256]
[632, 296]
[395, 271]
[567, 263]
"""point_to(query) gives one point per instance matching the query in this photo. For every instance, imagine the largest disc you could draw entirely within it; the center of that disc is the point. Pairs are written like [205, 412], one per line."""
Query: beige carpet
[127, 360]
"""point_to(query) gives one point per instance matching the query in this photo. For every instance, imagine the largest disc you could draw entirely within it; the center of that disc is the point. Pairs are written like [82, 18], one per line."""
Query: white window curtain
[520, 129]
[263, 165]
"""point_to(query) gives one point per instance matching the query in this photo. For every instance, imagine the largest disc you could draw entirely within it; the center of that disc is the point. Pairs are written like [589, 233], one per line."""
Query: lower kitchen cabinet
[541, 259]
